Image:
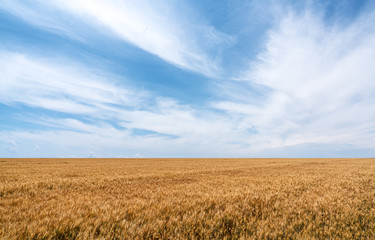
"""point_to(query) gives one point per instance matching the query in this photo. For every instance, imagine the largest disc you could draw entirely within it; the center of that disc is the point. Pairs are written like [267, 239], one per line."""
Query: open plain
[187, 198]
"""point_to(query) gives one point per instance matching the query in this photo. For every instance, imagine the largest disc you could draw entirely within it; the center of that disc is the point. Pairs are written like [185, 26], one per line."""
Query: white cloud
[165, 29]
[321, 81]
[68, 87]
[74, 89]
[61, 86]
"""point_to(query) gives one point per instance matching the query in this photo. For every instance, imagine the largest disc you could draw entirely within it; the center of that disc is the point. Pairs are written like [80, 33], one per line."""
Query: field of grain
[187, 198]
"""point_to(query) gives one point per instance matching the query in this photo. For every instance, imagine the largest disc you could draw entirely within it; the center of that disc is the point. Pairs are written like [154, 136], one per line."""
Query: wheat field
[187, 198]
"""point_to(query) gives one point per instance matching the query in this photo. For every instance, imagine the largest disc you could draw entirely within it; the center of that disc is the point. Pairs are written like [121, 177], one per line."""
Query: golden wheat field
[187, 198]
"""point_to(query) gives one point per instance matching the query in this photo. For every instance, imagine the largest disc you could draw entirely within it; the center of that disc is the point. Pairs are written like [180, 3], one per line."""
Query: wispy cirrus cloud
[168, 30]
[103, 113]
[308, 92]
[320, 83]
[63, 86]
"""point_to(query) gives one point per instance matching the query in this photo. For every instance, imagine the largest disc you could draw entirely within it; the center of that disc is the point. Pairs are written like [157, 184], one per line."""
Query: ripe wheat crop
[187, 198]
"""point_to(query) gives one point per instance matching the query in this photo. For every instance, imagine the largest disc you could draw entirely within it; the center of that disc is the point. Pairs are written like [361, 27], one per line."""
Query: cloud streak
[107, 112]
[61, 86]
[167, 30]
[307, 88]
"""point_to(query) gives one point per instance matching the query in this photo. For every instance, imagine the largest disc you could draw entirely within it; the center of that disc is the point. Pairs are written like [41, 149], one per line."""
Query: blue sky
[181, 78]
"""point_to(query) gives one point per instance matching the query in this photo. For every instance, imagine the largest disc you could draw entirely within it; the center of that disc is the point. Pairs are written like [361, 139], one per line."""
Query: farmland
[187, 198]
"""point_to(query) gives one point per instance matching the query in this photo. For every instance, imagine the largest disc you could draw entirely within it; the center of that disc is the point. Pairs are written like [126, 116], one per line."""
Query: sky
[176, 78]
